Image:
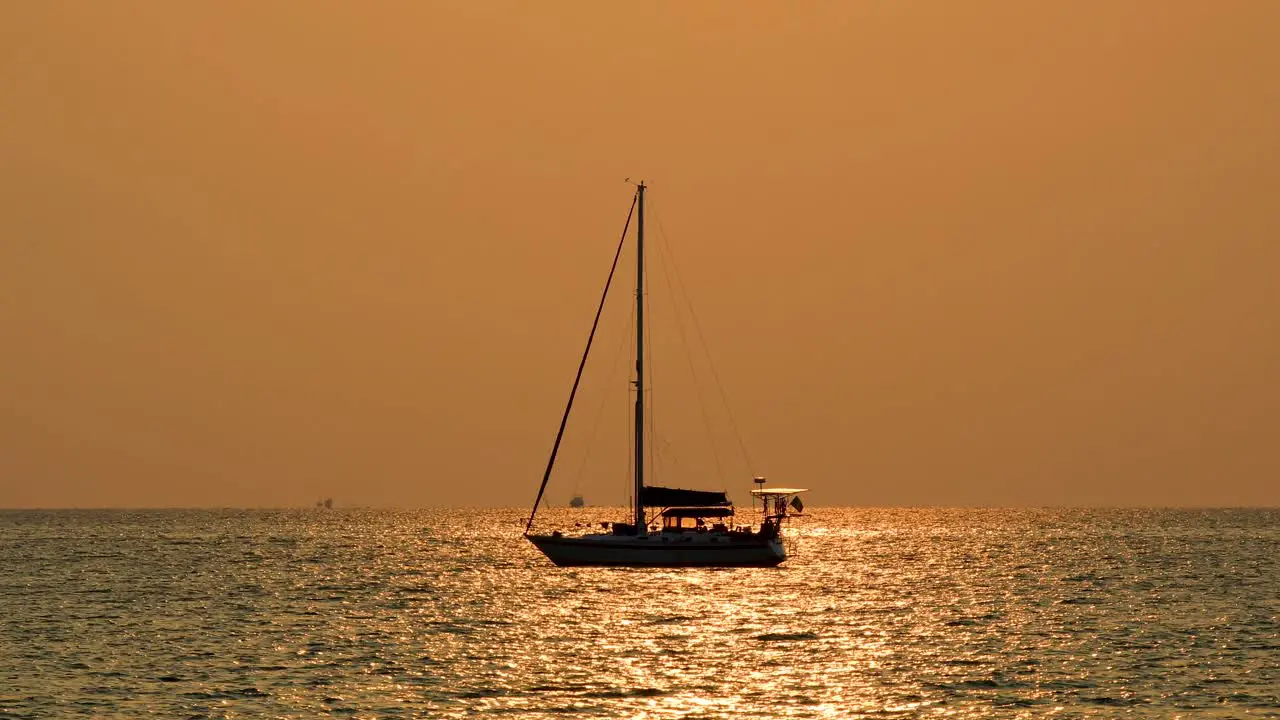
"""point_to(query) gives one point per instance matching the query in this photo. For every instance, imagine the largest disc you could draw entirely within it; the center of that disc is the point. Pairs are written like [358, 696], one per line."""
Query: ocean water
[439, 614]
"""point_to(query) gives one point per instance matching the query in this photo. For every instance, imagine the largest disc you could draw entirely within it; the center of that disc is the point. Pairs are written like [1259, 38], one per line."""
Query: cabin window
[680, 520]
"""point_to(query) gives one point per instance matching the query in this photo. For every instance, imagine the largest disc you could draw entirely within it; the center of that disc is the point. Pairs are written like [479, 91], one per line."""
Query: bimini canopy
[778, 491]
[653, 496]
[698, 512]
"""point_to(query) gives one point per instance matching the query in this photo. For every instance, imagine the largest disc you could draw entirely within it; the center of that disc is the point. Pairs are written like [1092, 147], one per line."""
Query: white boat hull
[662, 550]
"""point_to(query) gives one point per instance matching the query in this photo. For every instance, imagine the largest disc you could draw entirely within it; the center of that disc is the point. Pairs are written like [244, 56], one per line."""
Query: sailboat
[686, 527]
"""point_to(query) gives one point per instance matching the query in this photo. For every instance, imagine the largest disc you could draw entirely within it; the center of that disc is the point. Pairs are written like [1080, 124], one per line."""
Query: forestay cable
[555, 448]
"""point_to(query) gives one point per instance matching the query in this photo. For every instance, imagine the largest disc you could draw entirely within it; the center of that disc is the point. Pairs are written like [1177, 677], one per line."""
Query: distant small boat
[576, 501]
[326, 503]
[697, 526]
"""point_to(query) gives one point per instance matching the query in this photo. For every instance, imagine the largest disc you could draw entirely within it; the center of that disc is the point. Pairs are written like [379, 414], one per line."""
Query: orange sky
[255, 254]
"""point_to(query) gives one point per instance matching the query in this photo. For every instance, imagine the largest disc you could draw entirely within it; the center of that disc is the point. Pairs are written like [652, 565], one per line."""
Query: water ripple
[881, 613]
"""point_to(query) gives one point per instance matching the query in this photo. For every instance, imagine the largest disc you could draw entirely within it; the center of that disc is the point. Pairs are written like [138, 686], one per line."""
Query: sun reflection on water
[902, 613]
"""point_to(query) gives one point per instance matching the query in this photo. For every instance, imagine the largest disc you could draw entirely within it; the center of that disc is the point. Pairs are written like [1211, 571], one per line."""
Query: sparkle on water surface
[879, 613]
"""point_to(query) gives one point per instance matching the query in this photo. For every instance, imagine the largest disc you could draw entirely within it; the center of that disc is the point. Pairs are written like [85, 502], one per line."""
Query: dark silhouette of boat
[697, 526]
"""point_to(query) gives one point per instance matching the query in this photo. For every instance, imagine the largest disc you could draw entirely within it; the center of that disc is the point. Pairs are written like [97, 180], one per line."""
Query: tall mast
[641, 525]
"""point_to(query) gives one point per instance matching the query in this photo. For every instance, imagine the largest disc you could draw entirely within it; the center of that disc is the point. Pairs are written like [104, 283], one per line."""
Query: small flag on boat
[795, 503]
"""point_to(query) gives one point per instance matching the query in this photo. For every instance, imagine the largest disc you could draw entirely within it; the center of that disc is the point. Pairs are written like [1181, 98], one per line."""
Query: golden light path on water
[671, 643]
[879, 613]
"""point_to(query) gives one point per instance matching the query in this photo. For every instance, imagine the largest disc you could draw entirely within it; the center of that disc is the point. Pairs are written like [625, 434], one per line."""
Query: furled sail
[654, 496]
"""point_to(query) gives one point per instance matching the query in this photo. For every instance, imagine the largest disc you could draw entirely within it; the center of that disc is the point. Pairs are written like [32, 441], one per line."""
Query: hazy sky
[945, 253]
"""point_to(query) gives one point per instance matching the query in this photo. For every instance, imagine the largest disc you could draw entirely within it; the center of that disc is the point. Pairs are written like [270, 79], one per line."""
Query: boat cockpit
[696, 519]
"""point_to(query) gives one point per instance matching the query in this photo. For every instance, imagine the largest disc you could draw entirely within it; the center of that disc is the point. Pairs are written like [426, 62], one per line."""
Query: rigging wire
[630, 424]
[664, 262]
[649, 382]
[604, 399]
[724, 398]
